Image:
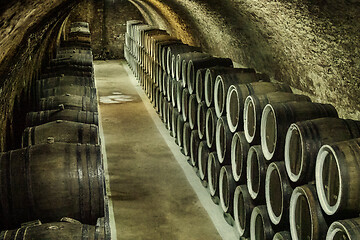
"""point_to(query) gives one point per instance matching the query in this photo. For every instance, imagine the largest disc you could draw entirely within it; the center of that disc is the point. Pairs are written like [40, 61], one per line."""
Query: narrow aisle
[151, 196]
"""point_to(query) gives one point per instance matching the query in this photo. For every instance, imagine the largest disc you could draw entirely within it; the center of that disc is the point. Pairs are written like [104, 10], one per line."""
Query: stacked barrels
[57, 175]
[279, 165]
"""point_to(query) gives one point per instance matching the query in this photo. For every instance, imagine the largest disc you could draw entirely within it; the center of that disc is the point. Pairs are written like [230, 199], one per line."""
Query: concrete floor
[152, 197]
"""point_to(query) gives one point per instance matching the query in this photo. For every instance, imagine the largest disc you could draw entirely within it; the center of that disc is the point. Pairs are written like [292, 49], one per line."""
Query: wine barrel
[75, 44]
[172, 52]
[223, 138]
[200, 85]
[163, 52]
[283, 235]
[256, 167]
[210, 127]
[169, 116]
[182, 61]
[337, 178]
[237, 95]
[73, 50]
[227, 187]
[165, 112]
[147, 37]
[306, 218]
[169, 83]
[185, 104]
[278, 191]
[157, 98]
[180, 130]
[174, 95]
[38, 118]
[223, 83]
[130, 24]
[193, 111]
[253, 107]
[179, 92]
[160, 79]
[70, 59]
[32, 182]
[243, 207]
[213, 172]
[161, 105]
[304, 139]
[66, 72]
[260, 225]
[164, 82]
[186, 138]
[277, 117]
[73, 90]
[348, 229]
[239, 152]
[61, 131]
[194, 147]
[203, 157]
[201, 119]
[196, 64]
[56, 230]
[68, 102]
[63, 81]
[160, 42]
[174, 120]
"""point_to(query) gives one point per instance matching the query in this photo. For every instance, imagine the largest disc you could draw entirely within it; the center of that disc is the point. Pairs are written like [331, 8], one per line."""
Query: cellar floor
[155, 194]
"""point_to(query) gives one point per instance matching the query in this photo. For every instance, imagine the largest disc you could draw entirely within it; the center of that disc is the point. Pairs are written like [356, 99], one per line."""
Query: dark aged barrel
[180, 130]
[72, 59]
[239, 152]
[243, 207]
[55, 231]
[196, 64]
[253, 107]
[73, 90]
[186, 138]
[338, 179]
[169, 87]
[348, 229]
[147, 38]
[185, 104]
[277, 117]
[163, 51]
[174, 94]
[179, 92]
[161, 43]
[305, 215]
[194, 147]
[61, 131]
[304, 139]
[64, 81]
[31, 182]
[161, 104]
[256, 167]
[182, 61]
[174, 120]
[223, 138]
[201, 119]
[192, 111]
[164, 84]
[38, 118]
[68, 102]
[284, 235]
[277, 193]
[157, 98]
[203, 156]
[169, 116]
[227, 187]
[200, 85]
[224, 81]
[129, 26]
[210, 127]
[165, 112]
[173, 51]
[237, 94]
[213, 172]
[73, 50]
[260, 225]
[66, 72]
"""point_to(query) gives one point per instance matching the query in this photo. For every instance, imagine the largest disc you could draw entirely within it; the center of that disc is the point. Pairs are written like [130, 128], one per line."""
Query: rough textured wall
[107, 20]
[28, 34]
[312, 45]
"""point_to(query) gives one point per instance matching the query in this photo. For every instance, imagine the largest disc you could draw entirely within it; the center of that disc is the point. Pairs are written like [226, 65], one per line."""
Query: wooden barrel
[186, 139]
[196, 64]
[169, 116]
[337, 178]
[169, 83]
[260, 224]
[179, 93]
[239, 152]
[149, 40]
[182, 61]
[161, 104]
[63, 81]
[180, 130]
[213, 172]
[278, 191]
[32, 182]
[73, 50]
[185, 104]
[174, 119]
[253, 107]
[203, 156]
[201, 119]
[192, 111]
[237, 95]
[223, 83]
[277, 117]
[210, 127]
[157, 97]
[227, 187]
[172, 52]
[165, 110]
[174, 94]
[348, 229]
[164, 84]
[243, 207]
[256, 167]
[194, 147]
[68, 102]
[129, 26]
[72, 69]
[304, 139]
[161, 42]
[73, 90]
[56, 230]
[72, 59]
[75, 44]
[305, 215]
[61, 131]
[283, 235]
[38, 118]
[200, 85]
[223, 138]
[163, 51]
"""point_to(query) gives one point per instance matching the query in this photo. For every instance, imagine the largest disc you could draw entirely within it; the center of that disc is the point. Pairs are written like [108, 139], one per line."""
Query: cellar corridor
[150, 194]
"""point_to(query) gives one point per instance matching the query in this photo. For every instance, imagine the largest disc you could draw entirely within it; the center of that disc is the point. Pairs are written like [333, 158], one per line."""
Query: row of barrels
[57, 176]
[279, 165]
